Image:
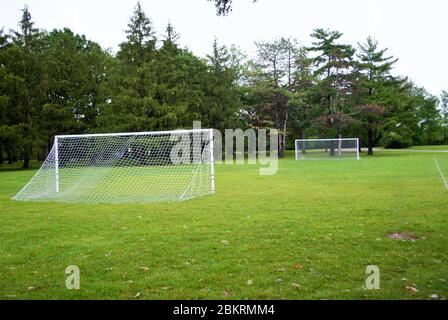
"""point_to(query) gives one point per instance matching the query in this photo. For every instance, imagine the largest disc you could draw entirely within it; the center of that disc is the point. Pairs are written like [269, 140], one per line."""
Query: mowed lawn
[306, 233]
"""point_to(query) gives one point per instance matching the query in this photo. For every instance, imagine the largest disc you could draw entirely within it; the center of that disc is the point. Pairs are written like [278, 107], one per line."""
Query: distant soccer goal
[163, 166]
[327, 149]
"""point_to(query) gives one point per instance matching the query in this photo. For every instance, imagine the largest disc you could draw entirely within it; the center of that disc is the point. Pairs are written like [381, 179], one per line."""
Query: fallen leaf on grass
[411, 289]
[298, 266]
[296, 285]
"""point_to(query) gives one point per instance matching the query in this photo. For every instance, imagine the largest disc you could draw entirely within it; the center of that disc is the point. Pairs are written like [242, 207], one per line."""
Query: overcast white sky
[413, 30]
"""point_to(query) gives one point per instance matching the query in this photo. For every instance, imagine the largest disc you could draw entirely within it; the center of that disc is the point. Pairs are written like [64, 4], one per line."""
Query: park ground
[309, 232]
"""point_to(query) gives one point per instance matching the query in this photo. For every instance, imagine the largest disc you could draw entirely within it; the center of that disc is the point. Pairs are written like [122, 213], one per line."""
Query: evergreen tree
[130, 90]
[304, 81]
[76, 68]
[5, 91]
[400, 123]
[141, 39]
[28, 96]
[428, 131]
[178, 73]
[335, 71]
[374, 78]
[223, 7]
[221, 97]
[171, 36]
[59, 82]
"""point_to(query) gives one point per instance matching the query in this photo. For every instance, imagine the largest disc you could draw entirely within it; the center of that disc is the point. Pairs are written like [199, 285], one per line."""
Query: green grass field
[119, 184]
[306, 233]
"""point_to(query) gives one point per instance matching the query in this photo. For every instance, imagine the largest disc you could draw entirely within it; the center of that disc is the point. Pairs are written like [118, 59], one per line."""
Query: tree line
[59, 82]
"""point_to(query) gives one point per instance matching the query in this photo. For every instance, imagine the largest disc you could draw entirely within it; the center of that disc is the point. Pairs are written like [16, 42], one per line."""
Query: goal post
[56, 164]
[212, 161]
[327, 149]
[159, 166]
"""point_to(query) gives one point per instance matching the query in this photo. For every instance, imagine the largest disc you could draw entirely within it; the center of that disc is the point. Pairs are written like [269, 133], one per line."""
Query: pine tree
[28, 98]
[171, 37]
[334, 69]
[177, 88]
[4, 96]
[304, 81]
[221, 98]
[28, 33]
[130, 103]
[76, 69]
[140, 32]
[223, 7]
[374, 78]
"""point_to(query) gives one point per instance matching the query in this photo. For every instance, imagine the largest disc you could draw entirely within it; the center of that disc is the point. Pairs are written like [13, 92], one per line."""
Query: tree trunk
[370, 142]
[281, 152]
[47, 150]
[10, 157]
[281, 146]
[26, 158]
[26, 162]
[303, 144]
[340, 145]
[332, 149]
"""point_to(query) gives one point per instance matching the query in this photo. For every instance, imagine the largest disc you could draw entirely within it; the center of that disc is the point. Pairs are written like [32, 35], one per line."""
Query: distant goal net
[327, 149]
[125, 167]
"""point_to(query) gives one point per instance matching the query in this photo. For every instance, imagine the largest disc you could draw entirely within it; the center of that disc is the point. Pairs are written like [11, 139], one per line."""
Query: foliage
[223, 7]
[374, 79]
[396, 139]
[58, 82]
[444, 115]
[334, 68]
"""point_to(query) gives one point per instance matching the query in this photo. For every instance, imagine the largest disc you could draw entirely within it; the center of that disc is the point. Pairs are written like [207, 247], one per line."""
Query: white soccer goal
[163, 166]
[326, 149]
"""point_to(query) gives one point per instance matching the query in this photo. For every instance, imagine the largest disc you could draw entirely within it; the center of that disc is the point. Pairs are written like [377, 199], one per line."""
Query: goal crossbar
[336, 139]
[123, 134]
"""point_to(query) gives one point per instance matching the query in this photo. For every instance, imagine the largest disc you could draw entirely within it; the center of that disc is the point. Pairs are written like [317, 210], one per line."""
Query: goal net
[325, 149]
[126, 167]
